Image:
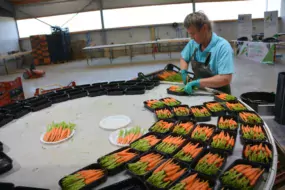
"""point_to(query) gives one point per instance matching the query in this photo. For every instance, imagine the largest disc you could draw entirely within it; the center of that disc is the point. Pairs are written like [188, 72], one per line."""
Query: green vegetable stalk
[140, 168]
[157, 179]
[236, 180]
[141, 145]
[166, 147]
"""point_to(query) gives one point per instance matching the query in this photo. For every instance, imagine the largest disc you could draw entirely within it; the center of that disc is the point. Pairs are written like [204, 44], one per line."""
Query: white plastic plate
[113, 137]
[57, 142]
[114, 122]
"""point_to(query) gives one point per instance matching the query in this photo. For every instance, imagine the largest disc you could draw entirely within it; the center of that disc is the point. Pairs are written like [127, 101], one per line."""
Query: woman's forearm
[183, 64]
[216, 81]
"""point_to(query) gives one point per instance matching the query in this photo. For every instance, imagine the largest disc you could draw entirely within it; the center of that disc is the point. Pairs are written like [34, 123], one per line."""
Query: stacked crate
[40, 50]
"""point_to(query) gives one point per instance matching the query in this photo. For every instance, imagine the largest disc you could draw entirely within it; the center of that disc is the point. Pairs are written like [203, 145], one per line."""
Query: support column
[282, 16]
[104, 35]
[194, 6]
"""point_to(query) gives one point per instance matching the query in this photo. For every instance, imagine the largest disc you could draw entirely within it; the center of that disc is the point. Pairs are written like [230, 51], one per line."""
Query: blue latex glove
[190, 85]
[184, 76]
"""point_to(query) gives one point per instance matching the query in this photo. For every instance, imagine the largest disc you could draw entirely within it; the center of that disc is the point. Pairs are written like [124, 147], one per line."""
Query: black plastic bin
[280, 99]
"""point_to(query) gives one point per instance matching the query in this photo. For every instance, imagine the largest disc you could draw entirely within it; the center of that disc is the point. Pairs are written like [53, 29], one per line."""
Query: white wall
[283, 15]
[9, 38]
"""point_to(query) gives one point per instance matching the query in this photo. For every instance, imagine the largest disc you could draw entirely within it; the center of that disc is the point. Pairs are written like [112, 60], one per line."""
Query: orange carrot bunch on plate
[58, 131]
[127, 136]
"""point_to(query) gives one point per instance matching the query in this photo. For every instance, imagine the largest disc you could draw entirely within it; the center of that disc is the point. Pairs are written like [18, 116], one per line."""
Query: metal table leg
[131, 53]
[6, 68]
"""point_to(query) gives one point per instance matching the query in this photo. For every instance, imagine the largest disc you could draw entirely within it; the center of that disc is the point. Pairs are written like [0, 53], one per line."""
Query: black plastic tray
[39, 105]
[5, 163]
[183, 118]
[64, 90]
[242, 121]
[117, 82]
[28, 188]
[145, 135]
[115, 92]
[176, 93]
[135, 90]
[265, 165]
[203, 177]
[59, 97]
[148, 85]
[137, 159]
[244, 140]
[171, 154]
[110, 86]
[7, 186]
[202, 125]
[152, 187]
[236, 162]
[201, 119]
[184, 121]
[128, 184]
[18, 113]
[149, 108]
[228, 117]
[122, 166]
[99, 84]
[169, 105]
[197, 157]
[35, 100]
[215, 114]
[173, 116]
[99, 92]
[92, 88]
[220, 100]
[232, 134]
[5, 119]
[234, 112]
[170, 129]
[209, 150]
[83, 86]
[77, 93]
[1, 146]
[93, 184]
[11, 106]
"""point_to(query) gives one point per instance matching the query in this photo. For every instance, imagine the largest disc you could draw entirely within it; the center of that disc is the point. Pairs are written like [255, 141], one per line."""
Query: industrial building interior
[48, 46]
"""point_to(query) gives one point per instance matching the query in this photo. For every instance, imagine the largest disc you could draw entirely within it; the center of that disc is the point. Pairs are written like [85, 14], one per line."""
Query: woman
[211, 56]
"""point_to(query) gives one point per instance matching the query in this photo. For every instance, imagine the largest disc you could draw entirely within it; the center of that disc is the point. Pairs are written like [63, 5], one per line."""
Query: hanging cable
[34, 17]
[90, 2]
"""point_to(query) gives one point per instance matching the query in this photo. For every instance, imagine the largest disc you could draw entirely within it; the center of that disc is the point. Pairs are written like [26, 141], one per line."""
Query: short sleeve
[187, 52]
[225, 60]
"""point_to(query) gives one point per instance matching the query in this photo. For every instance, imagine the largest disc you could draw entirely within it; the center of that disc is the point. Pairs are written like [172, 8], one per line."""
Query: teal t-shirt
[222, 56]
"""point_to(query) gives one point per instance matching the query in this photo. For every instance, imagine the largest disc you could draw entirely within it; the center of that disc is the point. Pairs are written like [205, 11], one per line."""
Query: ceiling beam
[7, 6]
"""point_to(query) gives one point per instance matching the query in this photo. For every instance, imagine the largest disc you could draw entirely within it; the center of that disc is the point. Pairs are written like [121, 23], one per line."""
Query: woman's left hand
[190, 85]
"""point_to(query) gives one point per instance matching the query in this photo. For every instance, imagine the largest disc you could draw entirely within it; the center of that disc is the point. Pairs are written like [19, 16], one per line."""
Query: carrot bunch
[171, 102]
[145, 164]
[169, 144]
[209, 164]
[258, 153]
[250, 118]
[188, 152]
[127, 136]
[161, 126]
[145, 143]
[202, 133]
[223, 140]
[227, 124]
[242, 176]
[236, 106]
[154, 104]
[176, 89]
[165, 174]
[171, 76]
[183, 128]
[225, 97]
[58, 131]
[200, 112]
[181, 111]
[164, 114]
[81, 178]
[252, 133]
[215, 107]
[114, 160]
[192, 182]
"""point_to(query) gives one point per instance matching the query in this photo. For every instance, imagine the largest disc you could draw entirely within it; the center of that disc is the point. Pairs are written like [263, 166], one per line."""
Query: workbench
[129, 48]
[39, 165]
[5, 58]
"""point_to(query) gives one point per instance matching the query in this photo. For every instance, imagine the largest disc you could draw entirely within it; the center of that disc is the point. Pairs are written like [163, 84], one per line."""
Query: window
[148, 15]
[81, 22]
[231, 10]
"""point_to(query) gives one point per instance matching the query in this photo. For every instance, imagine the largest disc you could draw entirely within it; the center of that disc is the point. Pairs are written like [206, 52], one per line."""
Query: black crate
[172, 153]
[213, 176]
[121, 167]
[201, 119]
[167, 120]
[218, 113]
[172, 116]
[204, 125]
[145, 135]
[265, 165]
[228, 151]
[178, 102]
[93, 184]
[148, 85]
[236, 162]
[149, 108]
[184, 121]
[135, 90]
[5, 163]
[244, 140]
[228, 117]
[184, 117]
[128, 184]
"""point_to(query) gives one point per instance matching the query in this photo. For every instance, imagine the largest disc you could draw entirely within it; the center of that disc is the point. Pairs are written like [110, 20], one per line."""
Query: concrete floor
[249, 75]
